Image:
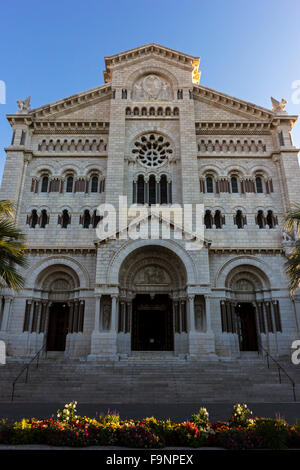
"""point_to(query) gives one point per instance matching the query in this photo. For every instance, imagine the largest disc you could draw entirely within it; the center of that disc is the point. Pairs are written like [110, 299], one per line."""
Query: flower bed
[67, 429]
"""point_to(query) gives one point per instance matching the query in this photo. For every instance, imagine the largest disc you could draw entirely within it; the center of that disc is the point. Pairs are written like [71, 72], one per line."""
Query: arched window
[163, 190]
[240, 220]
[259, 184]
[208, 219]
[95, 219]
[66, 219]
[218, 219]
[45, 184]
[34, 218]
[94, 184]
[234, 185]
[70, 181]
[209, 184]
[260, 220]
[271, 219]
[44, 219]
[86, 219]
[152, 190]
[140, 190]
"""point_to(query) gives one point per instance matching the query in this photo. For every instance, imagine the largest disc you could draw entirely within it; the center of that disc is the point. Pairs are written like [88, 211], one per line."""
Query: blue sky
[53, 49]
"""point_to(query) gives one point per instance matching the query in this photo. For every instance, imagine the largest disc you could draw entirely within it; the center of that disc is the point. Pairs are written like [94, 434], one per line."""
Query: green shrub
[138, 435]
[68, 413]
[274, 432]
[239, 416]
[110, 417]
[200, 419]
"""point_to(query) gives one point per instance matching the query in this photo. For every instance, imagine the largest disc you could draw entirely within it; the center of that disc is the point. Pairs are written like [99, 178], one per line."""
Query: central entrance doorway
[152, 323]
[58, 326]
[246, 323]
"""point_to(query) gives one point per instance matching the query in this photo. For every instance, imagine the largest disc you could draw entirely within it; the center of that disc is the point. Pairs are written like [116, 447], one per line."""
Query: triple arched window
[152, 190]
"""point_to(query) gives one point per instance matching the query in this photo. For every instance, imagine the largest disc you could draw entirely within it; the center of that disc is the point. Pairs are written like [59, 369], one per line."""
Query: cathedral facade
[154, 135]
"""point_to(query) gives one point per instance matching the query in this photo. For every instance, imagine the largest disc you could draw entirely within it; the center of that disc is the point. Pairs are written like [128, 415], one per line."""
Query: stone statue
[106, 316]
[278, 107]
[138, 92]
[24, 106]
[165, 92]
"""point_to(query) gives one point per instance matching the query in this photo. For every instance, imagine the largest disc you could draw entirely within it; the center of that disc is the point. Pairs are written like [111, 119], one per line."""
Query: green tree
[292, 225]
[12, 248]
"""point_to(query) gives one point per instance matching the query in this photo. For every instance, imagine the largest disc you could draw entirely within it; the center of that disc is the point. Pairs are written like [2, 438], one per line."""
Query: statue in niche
[106, 317]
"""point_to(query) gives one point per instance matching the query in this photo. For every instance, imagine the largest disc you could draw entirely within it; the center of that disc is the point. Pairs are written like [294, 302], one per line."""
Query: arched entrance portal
[246, 326]
[58, 326]
[152, 280]
[59, 312]
[152, 323]
[246, 285]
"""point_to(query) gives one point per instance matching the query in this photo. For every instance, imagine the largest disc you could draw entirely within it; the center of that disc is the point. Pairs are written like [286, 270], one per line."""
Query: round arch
[258, 267]
[64, 262]
[169, 245]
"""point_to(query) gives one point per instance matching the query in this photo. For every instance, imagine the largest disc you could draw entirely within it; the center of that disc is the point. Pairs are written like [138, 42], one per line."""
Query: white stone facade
[153, 134]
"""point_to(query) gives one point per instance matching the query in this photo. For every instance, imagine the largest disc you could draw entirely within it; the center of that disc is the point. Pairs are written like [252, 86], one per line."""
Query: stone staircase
[149, 378]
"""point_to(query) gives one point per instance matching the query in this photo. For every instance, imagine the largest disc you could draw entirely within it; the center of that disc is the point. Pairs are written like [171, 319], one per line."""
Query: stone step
[144, 381]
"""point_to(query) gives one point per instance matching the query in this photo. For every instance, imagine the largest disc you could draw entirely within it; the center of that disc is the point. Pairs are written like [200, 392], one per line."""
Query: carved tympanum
[151, 88]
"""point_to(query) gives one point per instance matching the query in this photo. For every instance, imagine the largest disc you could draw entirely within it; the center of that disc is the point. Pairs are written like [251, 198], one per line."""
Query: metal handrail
[26, 367]
[280, 368]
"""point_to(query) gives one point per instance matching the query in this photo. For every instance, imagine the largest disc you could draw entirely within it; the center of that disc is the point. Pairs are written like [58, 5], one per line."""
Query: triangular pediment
[145, 220]
[220, 106]
[151, 50]
[73, 106]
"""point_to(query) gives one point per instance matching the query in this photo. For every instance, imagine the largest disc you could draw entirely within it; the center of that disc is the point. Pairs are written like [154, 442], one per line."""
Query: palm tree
[292, 225]
[12, 248]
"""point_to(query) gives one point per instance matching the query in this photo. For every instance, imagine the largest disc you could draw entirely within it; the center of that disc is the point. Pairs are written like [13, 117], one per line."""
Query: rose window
[152, 150]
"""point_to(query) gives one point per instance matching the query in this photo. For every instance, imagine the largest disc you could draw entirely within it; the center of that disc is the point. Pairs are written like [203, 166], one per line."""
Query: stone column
[157, 189]
[134, 190]
[208, 314]
[182, 316]
[191, 299]
[97, 314]
[6, 312]
[121, 319]
[146, 190]
[113, 321]
[128, 317]
[169, 190]
[42, 325]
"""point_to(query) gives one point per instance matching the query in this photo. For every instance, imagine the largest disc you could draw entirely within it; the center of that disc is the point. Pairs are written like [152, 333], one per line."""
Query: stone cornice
[149, 49]
[70, 127]
[246, 251]
[60, 250]
[233, 127]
